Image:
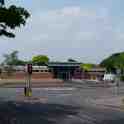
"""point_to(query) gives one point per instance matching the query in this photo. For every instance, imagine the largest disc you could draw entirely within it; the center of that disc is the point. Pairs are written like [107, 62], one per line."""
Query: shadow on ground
[27, 113]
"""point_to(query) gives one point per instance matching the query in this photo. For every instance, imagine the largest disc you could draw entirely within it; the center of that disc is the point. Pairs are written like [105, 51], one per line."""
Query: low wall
[23, 75]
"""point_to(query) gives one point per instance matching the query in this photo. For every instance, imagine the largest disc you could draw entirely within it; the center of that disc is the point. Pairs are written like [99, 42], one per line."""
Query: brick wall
[23, 75]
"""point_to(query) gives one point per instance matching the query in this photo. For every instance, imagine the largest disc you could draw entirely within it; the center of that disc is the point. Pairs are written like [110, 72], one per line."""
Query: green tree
[9, 61]
[10, 18]
[113, 62]
[86, 66]
[40, 60]
[12, 59]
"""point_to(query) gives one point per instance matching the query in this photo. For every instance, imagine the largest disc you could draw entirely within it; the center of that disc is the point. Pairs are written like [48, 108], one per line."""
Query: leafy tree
[12, 59]
[9, 62]
[10, 18]
[114, 62]
[40, 60]
[86, 66]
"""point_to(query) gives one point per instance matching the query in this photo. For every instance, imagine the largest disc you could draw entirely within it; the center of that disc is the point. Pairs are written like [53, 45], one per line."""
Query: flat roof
[64, 64]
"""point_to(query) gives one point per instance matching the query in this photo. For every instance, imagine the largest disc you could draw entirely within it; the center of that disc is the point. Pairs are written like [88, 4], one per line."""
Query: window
[36, 70]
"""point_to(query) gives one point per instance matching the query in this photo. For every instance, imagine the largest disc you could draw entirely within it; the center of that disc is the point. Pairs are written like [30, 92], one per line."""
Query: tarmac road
[63, 105]
[37, 113]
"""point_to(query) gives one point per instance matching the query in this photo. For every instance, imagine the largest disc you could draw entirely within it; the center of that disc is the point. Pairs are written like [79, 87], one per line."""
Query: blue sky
[86, 30]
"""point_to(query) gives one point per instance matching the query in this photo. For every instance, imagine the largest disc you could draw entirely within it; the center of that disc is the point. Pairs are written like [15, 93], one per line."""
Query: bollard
[27, 92]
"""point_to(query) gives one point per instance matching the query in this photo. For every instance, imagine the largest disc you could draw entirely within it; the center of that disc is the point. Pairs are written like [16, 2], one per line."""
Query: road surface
[71, 104]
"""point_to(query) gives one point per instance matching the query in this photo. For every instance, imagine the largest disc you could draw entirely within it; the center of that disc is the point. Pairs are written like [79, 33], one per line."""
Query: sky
[85, 30]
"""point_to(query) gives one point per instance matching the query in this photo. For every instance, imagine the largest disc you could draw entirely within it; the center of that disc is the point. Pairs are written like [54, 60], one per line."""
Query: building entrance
[63, 75]
[63, 70]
